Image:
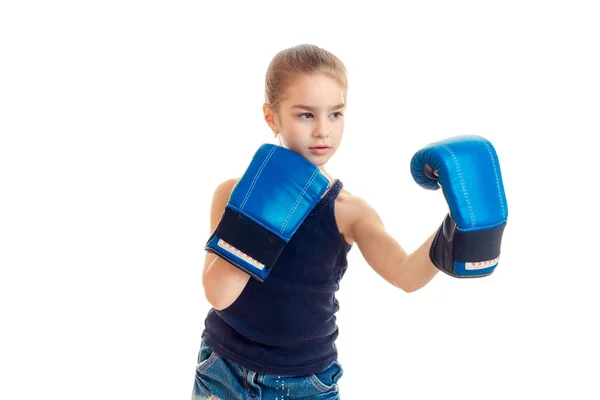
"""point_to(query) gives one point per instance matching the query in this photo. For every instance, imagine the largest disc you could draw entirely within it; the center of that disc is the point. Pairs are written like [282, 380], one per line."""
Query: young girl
[276, 339]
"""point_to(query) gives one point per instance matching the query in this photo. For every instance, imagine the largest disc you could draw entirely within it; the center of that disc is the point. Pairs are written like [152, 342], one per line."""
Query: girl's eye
[307, 115]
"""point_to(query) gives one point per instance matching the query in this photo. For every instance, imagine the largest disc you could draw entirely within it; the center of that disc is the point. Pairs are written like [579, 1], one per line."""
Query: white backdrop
[119, 118]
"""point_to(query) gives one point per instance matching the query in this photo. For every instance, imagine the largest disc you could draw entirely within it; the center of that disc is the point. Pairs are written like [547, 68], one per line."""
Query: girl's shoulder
[226, 187]
[221, 195]
[349, 209]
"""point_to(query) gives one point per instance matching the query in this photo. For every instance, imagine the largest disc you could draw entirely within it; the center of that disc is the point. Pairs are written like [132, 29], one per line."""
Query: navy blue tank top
[287, 325]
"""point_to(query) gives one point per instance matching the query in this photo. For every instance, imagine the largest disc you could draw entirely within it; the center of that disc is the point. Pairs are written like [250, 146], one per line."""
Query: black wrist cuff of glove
[249, 237]
[451, 245]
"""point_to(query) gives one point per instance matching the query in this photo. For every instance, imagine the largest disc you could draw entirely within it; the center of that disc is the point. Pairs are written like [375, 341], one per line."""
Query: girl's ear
[269, 116]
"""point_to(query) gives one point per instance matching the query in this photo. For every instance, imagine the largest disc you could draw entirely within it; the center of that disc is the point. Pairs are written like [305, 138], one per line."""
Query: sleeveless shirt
[286, 325]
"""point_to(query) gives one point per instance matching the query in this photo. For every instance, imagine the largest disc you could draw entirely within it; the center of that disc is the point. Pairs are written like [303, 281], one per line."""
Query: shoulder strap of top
[330, 196]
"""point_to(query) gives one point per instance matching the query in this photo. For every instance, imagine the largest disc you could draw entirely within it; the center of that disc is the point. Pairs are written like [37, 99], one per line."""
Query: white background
[119, 118]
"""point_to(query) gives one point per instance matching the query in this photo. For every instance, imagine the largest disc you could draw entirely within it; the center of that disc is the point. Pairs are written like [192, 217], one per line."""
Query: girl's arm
[382, 252]
[222, 282]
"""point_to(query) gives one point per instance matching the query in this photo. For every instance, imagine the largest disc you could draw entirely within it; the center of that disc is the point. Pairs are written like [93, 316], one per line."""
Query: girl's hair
[304, 58]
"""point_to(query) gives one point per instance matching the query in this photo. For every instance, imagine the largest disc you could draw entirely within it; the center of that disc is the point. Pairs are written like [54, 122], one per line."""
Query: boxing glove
[467, 169]
[266, 206]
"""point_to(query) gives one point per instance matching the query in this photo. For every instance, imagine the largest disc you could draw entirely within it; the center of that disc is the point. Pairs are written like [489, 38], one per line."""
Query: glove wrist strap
[245, 243]
[466, 254]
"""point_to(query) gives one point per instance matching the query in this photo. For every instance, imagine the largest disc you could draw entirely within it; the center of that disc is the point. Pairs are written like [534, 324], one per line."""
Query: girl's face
[310, 118]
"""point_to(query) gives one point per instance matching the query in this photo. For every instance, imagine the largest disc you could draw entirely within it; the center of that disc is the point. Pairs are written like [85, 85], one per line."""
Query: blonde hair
[303, 58]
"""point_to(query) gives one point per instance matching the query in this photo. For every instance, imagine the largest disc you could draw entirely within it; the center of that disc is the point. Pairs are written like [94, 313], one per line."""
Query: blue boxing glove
[468, 242]
[266, 207]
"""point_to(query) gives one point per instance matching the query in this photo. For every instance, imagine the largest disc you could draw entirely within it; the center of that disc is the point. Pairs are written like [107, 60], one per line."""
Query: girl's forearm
[223, 283]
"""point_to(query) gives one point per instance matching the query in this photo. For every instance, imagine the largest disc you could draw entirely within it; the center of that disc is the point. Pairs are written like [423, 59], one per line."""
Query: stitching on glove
[258, 173]
[462, 182]
[310, 181]
[497, 178]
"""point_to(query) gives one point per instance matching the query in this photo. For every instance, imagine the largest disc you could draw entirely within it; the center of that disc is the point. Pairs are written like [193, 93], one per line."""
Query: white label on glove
[226, 246]
[481, 264]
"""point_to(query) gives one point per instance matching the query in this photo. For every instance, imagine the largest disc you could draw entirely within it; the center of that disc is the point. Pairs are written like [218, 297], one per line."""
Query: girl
[276, 339]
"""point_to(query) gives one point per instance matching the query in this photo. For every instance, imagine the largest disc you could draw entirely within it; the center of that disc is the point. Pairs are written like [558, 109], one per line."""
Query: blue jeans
[218, 378]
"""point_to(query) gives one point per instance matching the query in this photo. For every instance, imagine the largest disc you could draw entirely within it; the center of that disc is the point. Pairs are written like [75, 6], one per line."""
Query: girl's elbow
[404, 286]
[212, 295]
[411, 289]
[407, 286]
[216, 301]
